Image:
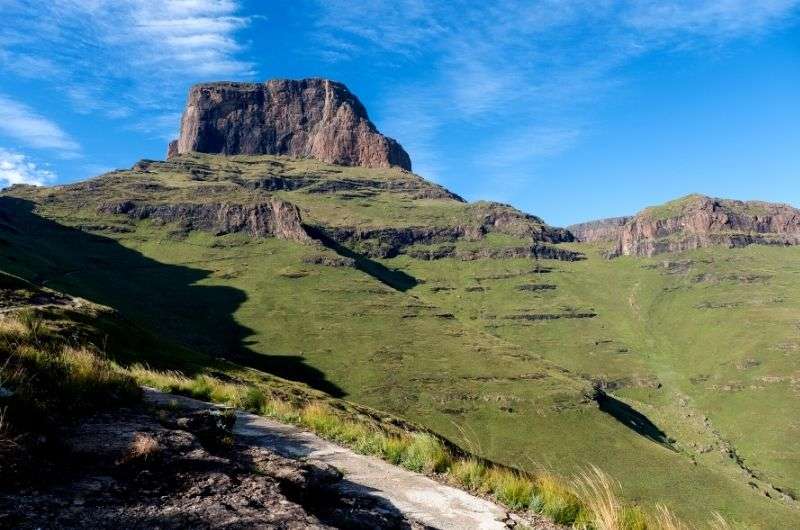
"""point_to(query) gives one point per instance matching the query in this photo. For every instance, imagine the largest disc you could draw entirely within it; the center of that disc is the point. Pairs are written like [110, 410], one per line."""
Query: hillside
[692, 222]
[474, 319]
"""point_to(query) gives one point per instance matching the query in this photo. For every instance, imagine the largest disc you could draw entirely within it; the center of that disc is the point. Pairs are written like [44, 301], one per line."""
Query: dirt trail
[417, 497]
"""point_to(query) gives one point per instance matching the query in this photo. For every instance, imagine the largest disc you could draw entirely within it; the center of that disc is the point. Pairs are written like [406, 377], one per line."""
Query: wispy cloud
[521, 74]
[115, 57]
[16, 168]
[22, 124]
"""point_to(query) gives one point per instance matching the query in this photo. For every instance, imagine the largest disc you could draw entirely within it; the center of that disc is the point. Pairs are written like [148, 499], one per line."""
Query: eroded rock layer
[600, 230]
[697, 221]
[271, 218]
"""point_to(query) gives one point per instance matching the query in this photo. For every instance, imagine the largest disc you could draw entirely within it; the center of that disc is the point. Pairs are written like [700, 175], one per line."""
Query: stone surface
[194, 474]
[315, 118]
[423, 501]
[697, 221]
[270, 218]
[600, 230]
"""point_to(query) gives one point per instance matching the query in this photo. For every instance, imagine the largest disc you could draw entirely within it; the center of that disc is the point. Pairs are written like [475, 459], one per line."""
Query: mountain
[476, 320]
[696, 221]
[302, 118]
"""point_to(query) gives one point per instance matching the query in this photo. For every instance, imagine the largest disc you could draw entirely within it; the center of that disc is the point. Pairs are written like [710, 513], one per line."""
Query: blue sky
[570, 110]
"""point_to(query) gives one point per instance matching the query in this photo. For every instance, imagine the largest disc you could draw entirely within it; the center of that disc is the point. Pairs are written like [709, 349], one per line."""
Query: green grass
[704, 349]
[52, 381]
[61, 379]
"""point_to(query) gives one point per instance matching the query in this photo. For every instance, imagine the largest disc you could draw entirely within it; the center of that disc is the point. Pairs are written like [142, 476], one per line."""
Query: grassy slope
[474, 378]
[654, 327]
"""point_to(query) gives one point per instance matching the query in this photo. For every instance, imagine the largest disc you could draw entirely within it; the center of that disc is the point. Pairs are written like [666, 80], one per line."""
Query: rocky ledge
[270, 218]
[315, 118]
[600, 230]
[698, 221]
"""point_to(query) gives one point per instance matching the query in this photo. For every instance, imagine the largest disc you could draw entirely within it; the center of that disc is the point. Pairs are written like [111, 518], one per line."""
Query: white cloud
[23, 124]
[524, 145]
[119, 57]
[16, 168]
[518, 66]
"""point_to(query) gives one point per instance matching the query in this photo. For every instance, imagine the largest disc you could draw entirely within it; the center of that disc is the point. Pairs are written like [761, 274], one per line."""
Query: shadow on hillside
[394, 278]
[633, 419]
[165, 298]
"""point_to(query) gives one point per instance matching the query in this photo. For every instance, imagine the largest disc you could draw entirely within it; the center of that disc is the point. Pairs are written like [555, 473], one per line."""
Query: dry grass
[599, 494]
[665, 519]
[142, 447]
[51, 378]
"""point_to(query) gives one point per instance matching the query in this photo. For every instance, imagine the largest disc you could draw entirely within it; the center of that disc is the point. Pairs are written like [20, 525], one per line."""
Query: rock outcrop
[602, 230]
[537, 251]
[480, 219]
[271, 218]
[315, 118]
[698, 221]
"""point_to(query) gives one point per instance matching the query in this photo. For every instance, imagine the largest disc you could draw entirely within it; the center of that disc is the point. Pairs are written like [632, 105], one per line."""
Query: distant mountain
[695, 221]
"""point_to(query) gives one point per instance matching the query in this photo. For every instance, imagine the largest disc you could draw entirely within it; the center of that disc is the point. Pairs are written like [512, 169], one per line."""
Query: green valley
[677, 374]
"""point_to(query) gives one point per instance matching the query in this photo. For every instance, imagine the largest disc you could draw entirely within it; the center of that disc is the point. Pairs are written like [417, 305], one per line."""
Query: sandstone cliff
[698, 221]
[600, 230]
[315, 118]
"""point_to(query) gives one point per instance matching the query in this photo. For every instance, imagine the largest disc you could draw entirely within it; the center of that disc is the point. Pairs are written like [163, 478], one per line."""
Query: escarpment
[697, 221]
[315, 118]
[601, 230]
[478, 220]
[272, 218]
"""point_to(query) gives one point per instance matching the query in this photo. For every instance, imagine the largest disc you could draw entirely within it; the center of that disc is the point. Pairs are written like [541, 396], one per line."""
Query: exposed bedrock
[600, 230]
[271, 218]
[697, 221]
[315, 118]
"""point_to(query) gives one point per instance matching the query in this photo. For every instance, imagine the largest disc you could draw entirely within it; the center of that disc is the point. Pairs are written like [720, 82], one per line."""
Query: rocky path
[417, 497]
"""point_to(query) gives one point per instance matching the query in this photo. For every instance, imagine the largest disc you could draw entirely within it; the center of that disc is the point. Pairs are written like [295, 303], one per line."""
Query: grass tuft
[143, 447]
[426, 454]
[469, 472]
[664, 519]
[599, 494]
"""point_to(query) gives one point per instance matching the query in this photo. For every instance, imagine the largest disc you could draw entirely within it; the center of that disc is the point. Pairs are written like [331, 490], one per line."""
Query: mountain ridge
[695, 221]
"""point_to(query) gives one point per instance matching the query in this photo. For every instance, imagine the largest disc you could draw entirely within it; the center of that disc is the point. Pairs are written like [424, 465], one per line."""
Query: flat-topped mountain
[314, 117]
[695, 221]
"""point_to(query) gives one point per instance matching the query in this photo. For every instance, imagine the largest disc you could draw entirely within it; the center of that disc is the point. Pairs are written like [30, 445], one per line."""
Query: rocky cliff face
[601, 230]
[481, 218]
[271, 218]
[315, 118]
[698, 221]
